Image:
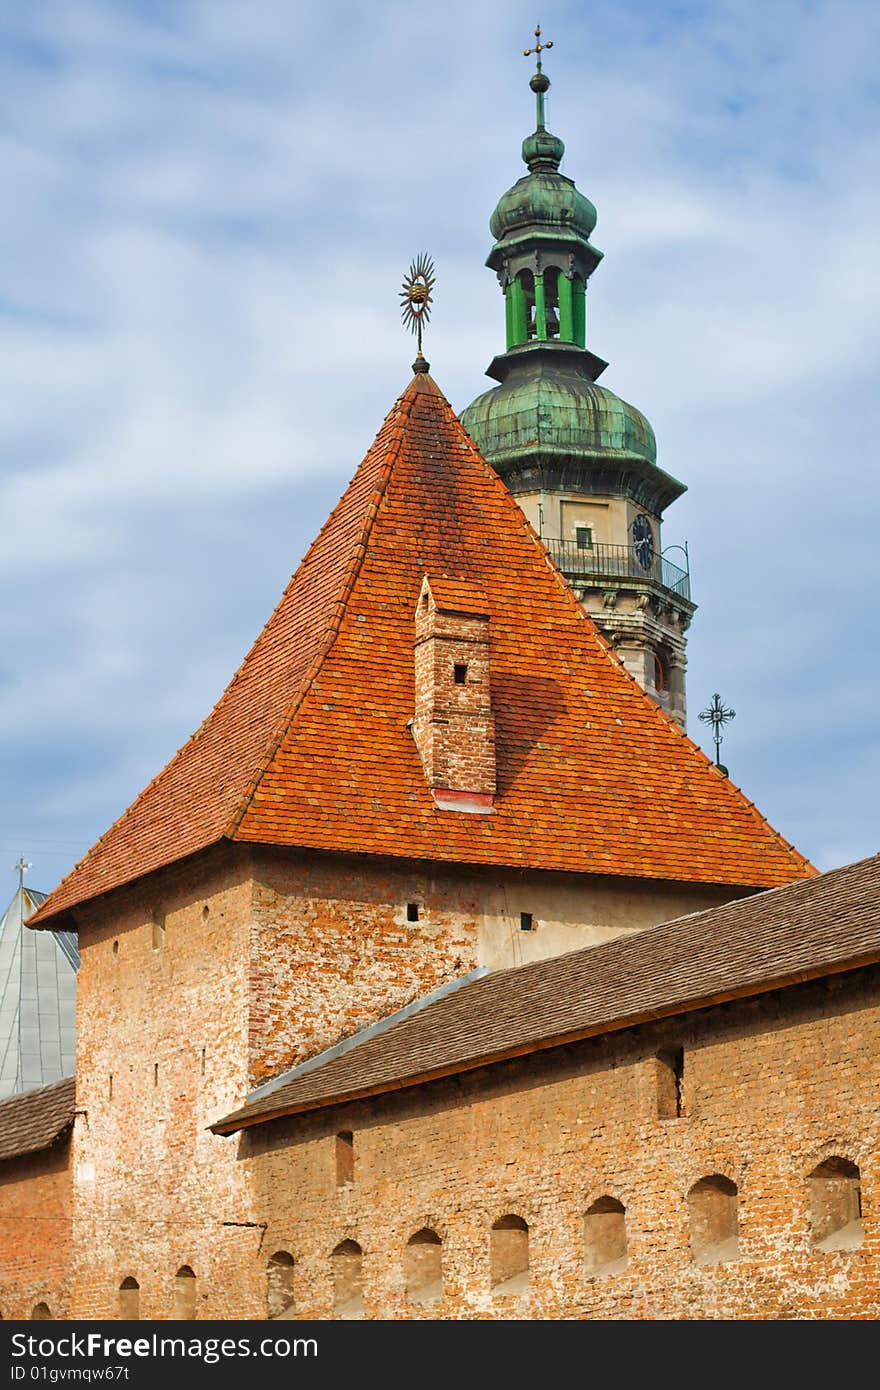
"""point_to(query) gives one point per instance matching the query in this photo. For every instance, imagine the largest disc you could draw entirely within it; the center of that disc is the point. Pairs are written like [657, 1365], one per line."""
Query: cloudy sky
[208, 208]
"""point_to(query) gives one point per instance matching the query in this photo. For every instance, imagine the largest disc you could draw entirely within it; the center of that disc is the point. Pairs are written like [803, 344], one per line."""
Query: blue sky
[208, 210]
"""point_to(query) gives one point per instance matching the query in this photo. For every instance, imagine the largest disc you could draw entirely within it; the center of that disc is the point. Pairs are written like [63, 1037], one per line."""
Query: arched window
[41, 1313]
[348, 1292]
[551, 301]
[509, 1255]
[605, 1238]
[185, 1293]
[712, 1206]
[527, 281]
[424, 1267]
[836, 1205]
[129, 1299]
[279, 1285]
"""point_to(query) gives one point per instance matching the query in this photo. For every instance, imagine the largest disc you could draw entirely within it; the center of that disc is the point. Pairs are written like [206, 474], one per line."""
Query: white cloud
[212, 206]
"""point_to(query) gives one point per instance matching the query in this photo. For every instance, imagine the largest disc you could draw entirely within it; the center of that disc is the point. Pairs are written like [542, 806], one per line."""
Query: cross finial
[539, 83]
[717, 714]
[21, 869]
[538, 48]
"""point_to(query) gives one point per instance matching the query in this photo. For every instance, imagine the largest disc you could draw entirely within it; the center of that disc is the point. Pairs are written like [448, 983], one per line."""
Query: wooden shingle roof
[804, 931]
[34, 1120]
[310, 744]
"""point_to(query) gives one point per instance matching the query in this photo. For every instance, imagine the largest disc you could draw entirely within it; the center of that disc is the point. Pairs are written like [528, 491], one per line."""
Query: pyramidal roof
[37, 999]
[310, 743]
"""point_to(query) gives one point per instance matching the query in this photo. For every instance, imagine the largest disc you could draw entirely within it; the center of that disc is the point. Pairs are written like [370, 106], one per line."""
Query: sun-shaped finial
[416, 297]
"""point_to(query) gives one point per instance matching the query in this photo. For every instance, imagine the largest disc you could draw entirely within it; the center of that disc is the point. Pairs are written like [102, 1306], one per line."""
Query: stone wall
[721, 1217]
[162, 1008]
[36, 1199]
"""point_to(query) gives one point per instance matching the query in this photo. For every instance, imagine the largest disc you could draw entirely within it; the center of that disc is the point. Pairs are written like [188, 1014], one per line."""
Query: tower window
[526, 921]
[661, 671]
[344, 1158]
[412, 912]
[459, 673]
[158, 930]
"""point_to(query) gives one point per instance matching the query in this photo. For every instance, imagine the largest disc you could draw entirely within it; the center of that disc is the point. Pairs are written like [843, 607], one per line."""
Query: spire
[539, 83]
[541, 151]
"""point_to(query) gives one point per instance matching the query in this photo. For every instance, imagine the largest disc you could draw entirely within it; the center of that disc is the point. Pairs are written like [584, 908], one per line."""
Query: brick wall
[771, 1087]
[453, 725]
[332, 949]
[209, 977]
[162, 1007]
[36, 1195]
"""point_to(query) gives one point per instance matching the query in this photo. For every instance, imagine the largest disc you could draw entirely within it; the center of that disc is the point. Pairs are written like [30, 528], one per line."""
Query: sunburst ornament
[417, 296]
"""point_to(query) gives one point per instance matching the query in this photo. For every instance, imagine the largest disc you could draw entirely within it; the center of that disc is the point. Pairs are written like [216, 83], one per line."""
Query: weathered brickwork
[453, 724]
[332, 949]
[201, 981]
[163, 1009]
[36, 1201]
[771, 1087]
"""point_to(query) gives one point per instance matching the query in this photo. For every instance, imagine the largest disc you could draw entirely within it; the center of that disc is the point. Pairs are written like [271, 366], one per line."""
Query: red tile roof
[310, 745]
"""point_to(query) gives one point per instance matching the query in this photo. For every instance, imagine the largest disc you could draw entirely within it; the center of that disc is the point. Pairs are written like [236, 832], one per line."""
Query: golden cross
[538, 48]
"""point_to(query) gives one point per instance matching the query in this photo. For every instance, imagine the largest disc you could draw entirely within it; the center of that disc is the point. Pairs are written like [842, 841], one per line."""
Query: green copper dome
[543, 199]
[553, 403]
[549, 420]
[548, 425]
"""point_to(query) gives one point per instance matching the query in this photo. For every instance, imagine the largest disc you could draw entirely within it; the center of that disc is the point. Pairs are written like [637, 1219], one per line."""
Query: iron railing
[618, 562]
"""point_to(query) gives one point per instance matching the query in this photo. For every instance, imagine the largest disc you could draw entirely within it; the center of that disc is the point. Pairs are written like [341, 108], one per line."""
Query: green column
[566, 321]
[540, 308]
[579, 311]
[517, 299]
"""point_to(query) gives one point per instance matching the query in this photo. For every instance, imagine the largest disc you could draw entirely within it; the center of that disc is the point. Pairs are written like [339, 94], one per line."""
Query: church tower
[581, 462]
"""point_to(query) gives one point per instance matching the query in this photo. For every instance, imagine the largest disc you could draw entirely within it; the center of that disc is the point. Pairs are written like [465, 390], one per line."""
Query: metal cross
[538, 48]
[21, 869]
[717, 714]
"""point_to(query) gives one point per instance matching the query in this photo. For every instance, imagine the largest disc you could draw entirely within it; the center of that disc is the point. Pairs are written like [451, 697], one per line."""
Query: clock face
[643, 541]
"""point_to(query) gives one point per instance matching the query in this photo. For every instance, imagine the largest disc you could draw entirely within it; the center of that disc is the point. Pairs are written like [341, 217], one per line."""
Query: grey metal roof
[37, 999]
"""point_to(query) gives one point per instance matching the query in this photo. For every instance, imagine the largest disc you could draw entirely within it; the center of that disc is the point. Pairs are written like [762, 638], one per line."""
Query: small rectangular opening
[158, 930]
[412, 912]
[344, 1158]
[424, 600]
[203, 1061]
[110, 1087]
[526, 921]
[584, 537]
[459, 672]
[670, 1081]
[155, 1073]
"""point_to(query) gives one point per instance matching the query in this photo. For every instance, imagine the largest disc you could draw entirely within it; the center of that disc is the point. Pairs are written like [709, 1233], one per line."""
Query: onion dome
[548, 423]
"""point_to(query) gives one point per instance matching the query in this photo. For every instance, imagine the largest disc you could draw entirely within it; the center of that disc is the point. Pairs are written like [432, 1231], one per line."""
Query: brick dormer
[453, 725]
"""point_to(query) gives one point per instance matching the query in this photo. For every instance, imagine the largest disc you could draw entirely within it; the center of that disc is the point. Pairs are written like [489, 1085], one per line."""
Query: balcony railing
[618, 562]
